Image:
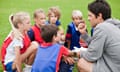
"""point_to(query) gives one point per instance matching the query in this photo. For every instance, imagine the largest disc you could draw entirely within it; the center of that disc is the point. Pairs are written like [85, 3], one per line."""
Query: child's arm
[67, 52]
[31, 34]
[68, 43]
[69, 56]
[17, 62]
[68, 37]
[18, 44]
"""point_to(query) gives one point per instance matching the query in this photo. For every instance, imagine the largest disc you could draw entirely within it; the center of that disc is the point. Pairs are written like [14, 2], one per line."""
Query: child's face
[53, 18]
[26, 24]
[60, 36]
[77, 20]
[40, 19]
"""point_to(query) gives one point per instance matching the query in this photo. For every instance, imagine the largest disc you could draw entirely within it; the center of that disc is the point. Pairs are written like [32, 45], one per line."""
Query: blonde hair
[54, 10]
[19, 17]
[37, 11]
[76, 13]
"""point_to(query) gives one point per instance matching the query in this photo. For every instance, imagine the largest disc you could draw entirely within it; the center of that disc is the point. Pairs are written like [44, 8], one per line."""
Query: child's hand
[68, 60]
[17, 65]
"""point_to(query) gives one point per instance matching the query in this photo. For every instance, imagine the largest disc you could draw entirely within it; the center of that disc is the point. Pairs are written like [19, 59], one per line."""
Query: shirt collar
[44, 44]
[76, 28]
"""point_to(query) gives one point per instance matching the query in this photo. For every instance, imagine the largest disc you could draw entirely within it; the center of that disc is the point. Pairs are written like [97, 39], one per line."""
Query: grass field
[11, 6]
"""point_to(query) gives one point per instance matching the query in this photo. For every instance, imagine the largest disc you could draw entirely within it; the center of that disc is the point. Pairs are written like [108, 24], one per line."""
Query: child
[54, 16]
[35, 31]
[73, 35]
[50, 52]
[62, 37]
[17, 47]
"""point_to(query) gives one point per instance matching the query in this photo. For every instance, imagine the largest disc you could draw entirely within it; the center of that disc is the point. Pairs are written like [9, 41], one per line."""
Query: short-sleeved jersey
[73, 36]
[35, 34]
[8, 47]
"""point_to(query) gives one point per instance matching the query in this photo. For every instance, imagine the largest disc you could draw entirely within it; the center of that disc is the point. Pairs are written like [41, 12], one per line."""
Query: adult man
[103, 50]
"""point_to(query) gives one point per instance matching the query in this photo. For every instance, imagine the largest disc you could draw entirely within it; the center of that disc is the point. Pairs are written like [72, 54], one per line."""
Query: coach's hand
[82, 27]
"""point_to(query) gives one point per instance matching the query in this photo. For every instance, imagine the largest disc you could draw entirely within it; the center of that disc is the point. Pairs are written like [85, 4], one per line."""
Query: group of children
[43, 47]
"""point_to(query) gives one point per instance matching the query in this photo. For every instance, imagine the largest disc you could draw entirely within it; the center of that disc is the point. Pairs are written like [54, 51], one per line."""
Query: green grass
[11, 6]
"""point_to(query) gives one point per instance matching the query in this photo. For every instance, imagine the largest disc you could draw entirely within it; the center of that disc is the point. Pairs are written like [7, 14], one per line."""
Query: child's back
[46, 59]
[50, 52]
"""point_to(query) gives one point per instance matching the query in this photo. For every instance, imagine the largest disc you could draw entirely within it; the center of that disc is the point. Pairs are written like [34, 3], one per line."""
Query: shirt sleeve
[17, 42]
[64, 51]
[86, 37]
[69, 33]
[95, 48]
[31, 34]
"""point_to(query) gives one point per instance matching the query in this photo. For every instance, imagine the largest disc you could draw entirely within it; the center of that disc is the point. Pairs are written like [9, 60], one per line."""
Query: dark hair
[48, 31]
[100, 6]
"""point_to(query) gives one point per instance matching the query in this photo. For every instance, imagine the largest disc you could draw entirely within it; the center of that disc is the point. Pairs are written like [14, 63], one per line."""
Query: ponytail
[16, 33]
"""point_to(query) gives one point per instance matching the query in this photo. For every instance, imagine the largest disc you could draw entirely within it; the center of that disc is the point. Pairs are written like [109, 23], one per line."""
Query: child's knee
[34, 45]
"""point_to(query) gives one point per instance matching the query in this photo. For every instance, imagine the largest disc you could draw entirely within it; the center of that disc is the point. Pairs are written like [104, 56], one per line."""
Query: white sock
[27, 68]
[26, 65]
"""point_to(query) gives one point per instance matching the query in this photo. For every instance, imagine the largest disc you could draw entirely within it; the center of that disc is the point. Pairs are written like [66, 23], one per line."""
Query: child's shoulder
[71, 24]
[58, 23]
[57, 44]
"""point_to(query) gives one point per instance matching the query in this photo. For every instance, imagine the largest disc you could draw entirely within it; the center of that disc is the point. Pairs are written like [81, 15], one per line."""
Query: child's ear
[54, 38]
[72, 18]
[34, 19]
[19, 25]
